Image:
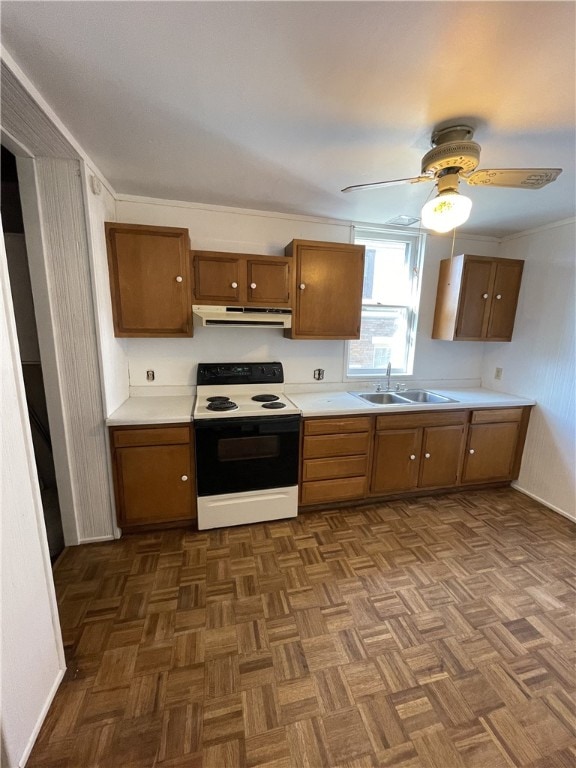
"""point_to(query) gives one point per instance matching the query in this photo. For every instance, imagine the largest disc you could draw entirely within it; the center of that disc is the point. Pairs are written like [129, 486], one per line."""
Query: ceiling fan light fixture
[446, 211]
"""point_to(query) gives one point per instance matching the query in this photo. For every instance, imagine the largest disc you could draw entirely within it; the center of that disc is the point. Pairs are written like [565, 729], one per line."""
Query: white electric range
[247, 435]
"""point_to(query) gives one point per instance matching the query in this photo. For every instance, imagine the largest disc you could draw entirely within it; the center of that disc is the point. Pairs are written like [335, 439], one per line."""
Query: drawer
[337, 426]
[325, 491]
[497, 414]
[325, 446]
[421, 419]
[325, 469]
[163, 435]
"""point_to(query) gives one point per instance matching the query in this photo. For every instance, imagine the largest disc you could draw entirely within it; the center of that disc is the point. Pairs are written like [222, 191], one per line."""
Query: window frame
[416, 241]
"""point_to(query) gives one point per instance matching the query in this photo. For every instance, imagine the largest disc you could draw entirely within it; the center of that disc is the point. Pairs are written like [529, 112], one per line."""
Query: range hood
[249, 317]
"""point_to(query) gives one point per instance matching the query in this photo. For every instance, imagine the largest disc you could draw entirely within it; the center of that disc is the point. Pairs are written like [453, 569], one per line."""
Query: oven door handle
[264, 425]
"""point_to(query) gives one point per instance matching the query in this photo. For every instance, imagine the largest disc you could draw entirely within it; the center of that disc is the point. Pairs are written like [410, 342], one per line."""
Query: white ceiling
[278, 105]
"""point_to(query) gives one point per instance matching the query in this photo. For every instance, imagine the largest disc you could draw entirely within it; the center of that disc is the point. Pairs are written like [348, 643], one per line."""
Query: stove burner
[265, 398]
[274, 405]
[218, 399]
[221, 405]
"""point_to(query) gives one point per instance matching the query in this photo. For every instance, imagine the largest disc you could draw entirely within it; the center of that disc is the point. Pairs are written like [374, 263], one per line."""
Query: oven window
[248, 448]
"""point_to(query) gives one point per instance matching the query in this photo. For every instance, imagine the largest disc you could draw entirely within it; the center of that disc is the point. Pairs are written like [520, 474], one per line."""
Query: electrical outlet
[150, 375]
[319, 374]
[498, 374]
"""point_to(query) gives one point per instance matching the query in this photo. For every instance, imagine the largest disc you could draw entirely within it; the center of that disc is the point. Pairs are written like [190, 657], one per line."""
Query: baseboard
[544, 502]
[96, 539]
[34, 735]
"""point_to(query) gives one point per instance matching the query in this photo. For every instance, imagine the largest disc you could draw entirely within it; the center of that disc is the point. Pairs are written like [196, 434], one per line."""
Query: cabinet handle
[471, 451]
[252, 285]
[412, 457]
[234, 285]
[179, 278]
[426, 455]
[302, 286]
[498, 295]
[484, 295]
[184, 478]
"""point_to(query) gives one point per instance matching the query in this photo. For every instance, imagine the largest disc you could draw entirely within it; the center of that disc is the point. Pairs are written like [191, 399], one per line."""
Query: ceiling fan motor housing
[464, 155]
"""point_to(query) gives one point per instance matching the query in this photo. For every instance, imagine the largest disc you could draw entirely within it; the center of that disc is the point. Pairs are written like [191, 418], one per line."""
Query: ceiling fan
[454, 157]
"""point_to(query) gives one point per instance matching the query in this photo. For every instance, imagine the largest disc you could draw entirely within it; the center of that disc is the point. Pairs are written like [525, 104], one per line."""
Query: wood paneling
[436, 633]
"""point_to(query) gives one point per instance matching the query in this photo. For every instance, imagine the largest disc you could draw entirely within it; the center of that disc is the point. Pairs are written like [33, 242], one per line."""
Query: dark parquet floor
[429, 633]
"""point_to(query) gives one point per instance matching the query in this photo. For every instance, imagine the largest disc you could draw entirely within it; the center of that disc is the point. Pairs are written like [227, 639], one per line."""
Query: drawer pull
[412, 457]
[184, 478]
[252, 285]
[471, 451]
[179, 278]
[484, 295]
[234, 285]
[426, 455]
[302, 286]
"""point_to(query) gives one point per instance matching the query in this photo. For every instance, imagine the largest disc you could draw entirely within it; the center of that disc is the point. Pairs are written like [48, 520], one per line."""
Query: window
[389, 303]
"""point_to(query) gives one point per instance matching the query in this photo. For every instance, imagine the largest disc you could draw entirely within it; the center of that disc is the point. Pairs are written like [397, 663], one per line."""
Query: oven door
[246, 454]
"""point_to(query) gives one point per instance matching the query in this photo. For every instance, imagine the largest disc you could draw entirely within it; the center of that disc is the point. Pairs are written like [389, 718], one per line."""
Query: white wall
[225, 229]
[112, 351]
[32, 652]
[540, 362]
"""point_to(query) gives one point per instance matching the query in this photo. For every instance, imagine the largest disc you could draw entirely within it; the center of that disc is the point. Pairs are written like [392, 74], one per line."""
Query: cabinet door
[154, 485]
[504, 300]
[440, 460]
[217, 279]
[473, 310]
[328, 291]
[149, 280]
[396, 457]
[268, 282]
[490, 452]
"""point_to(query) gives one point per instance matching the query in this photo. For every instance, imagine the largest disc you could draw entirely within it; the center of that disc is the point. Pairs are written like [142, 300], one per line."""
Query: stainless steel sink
[409, 397]
[382, 398]
[423, 396]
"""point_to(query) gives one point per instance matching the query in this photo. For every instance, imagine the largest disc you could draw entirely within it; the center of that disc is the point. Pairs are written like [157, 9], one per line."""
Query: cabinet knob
[412, 457]
[498, 295]
[471, 451]
[179, 278]
[184, 478]
[234, 285]
[252, 285]
[484, 295]
[426, 455]
[302, 286]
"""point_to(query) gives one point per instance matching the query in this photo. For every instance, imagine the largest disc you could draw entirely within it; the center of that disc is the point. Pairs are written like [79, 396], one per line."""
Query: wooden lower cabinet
[154, 482]
[335, 459]
[363, 458]
[426, 453]
[495, 441]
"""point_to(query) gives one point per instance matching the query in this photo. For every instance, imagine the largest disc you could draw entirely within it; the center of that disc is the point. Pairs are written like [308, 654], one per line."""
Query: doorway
[20, 287]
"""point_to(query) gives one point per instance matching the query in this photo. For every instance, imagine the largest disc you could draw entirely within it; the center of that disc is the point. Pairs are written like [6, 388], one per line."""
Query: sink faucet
[379, 384]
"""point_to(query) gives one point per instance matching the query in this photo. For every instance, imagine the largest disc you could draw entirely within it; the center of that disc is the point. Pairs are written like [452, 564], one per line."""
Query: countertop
[178, 409]
[153, 410]
[341, 403]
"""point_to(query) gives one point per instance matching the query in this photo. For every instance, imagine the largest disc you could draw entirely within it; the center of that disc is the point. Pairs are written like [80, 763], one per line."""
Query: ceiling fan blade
[523, 178]
[390, 183]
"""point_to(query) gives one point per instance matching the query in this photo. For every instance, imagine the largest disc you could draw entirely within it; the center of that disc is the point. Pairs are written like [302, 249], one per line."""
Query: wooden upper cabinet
[327, 283]
[240, 278]
[216, 277]
[477, 298]
[149, 269]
